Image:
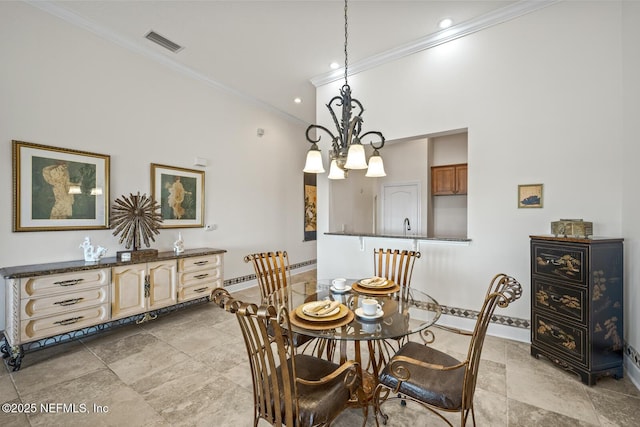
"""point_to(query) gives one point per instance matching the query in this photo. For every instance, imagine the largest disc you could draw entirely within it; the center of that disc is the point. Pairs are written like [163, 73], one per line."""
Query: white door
[401, 208]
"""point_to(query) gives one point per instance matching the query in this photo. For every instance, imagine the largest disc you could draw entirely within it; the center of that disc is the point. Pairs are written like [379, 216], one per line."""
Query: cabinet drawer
[66, 282]
[63, 303]
[568, 301]
[193, 278]
[198, 291]
[560, 338]
[560, 262]
[199, 263]
[32, 329]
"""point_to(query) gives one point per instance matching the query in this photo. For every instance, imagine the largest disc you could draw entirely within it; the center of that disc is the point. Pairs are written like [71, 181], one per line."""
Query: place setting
[375, 286]
[369, 310]
[319, 315]
[339, 286]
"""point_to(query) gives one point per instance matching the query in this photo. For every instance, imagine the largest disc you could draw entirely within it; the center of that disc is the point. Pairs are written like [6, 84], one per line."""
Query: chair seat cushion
[442, 389]
[318, 404]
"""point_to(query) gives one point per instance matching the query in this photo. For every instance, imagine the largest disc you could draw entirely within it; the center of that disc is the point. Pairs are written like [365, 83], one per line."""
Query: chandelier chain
[346, 34]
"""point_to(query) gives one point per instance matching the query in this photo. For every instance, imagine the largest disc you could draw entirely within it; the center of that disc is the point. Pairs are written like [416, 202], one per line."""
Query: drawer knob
[201, 262]
[200, 290]
[201, 276]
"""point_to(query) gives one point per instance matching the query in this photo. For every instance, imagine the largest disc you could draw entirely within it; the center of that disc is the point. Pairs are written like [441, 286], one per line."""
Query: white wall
[542, 101]
[63, 86]
[631, 174]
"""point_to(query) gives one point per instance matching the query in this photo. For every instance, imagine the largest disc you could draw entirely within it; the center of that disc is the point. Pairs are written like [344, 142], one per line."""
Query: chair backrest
[503, 290]
[272, 270]
[394, 264]
[272, 363]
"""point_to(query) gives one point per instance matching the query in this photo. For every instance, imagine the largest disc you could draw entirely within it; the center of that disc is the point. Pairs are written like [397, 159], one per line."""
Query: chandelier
[347, 151]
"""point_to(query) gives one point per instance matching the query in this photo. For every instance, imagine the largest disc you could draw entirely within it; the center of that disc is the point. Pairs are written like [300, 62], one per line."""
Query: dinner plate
[360, 314]
[376, 283]
[374, 291]
[338, 313]
[340, 291]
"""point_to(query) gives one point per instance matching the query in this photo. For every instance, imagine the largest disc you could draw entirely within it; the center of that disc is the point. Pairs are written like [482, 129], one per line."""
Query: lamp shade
[335, 172]
[376, 167]
[314, 162]
[355, 157]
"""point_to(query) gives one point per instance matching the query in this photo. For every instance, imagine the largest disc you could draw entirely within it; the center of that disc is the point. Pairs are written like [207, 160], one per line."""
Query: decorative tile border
[472, 314]
[632, 354]
[250, 277]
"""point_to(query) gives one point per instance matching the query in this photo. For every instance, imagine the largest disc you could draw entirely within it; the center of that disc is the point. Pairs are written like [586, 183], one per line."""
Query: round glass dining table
[405, 311]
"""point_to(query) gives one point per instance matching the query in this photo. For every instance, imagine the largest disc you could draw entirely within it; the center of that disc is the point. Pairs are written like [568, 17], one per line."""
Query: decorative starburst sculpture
[136, 218]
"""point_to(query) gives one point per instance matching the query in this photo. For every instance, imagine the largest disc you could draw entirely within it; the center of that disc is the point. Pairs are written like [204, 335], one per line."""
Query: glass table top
[404, 310]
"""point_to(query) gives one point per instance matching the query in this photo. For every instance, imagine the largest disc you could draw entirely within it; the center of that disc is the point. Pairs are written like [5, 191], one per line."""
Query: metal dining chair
[436, 380]
[289, 389]
[394, 264]
[272, 271]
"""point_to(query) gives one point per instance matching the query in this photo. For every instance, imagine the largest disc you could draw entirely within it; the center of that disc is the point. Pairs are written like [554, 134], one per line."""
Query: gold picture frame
[530, 196]
[59, 189]
[180, 194]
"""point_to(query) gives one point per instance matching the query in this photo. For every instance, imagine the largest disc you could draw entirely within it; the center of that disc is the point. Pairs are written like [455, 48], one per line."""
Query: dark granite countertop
[79, 265]
[401, 236]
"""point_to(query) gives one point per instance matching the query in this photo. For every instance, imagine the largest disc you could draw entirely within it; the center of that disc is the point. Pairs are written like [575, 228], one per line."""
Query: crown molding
[463, 29]
[140, 49]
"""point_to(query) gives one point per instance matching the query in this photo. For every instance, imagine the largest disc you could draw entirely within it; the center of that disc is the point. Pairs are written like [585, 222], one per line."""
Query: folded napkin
[320, 308]
[374, 281]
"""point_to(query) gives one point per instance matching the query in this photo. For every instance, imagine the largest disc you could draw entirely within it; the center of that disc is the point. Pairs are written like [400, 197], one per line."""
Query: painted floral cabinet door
[577, 304]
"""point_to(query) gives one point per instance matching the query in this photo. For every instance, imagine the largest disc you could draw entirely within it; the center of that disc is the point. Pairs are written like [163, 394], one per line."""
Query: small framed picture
[59, 189]
[180, 194]
[530, 196]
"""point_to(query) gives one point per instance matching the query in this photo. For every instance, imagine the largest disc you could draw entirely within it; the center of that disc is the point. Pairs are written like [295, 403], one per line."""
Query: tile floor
[190, 369]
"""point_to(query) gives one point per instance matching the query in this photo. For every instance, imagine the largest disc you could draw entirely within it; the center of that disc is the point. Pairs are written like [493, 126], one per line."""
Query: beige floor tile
[524, 415]
[554, 393]
[615, 409]
[46, 368]
[7, 390]
[120, 404]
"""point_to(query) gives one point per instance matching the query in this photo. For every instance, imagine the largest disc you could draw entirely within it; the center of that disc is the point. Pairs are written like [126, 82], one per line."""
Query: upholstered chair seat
[438, 388]
[319, 404]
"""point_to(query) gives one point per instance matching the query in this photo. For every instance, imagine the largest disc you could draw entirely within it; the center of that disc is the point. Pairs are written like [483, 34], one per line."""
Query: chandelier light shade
[347, 151]
[376, 167]
[355, 157]
[314, 161]
[335, 171]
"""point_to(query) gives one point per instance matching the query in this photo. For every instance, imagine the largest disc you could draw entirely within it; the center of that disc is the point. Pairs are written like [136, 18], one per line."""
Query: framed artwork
[530, 196]
[180, 194]
[310, 207]
[59, 189]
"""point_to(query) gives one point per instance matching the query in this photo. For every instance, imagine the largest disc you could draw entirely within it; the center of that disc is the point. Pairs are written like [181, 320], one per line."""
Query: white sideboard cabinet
[47, 304]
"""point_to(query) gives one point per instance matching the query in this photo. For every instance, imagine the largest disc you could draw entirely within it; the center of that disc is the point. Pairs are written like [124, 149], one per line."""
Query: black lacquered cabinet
[577, 304]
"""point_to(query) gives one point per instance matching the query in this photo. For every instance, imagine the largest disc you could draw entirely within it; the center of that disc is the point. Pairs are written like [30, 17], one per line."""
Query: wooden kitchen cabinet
[449, 180]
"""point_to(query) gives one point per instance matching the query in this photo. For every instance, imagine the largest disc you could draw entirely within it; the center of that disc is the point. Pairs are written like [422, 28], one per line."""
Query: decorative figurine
[178, 245]
[91, 254]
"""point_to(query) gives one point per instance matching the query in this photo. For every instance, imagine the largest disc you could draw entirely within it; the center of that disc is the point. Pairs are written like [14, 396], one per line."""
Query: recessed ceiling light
[445, 23]
[298, 100]
[334, 65]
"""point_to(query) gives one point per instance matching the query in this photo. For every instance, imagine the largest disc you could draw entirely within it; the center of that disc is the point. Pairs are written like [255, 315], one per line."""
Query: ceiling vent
[163, 41]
